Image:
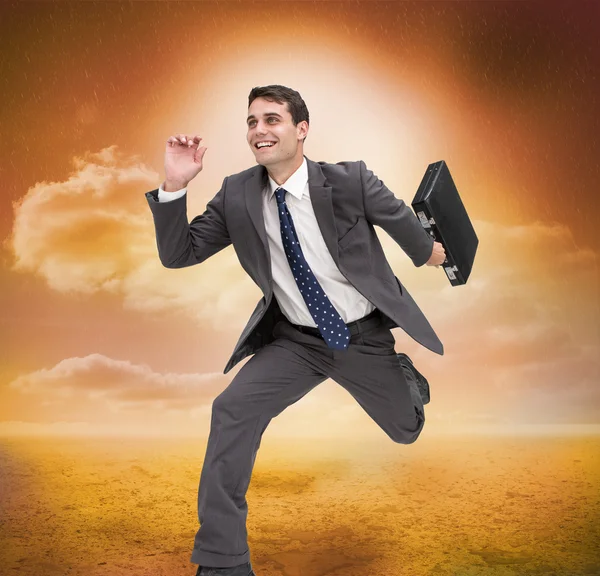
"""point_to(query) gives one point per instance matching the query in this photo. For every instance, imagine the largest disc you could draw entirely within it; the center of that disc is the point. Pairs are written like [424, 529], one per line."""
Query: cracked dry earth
[457, 506]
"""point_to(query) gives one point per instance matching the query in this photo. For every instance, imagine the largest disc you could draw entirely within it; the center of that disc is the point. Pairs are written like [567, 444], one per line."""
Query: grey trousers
[277, 376]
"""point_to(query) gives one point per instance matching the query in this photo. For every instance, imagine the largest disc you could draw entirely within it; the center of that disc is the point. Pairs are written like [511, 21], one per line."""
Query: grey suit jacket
[348, 200]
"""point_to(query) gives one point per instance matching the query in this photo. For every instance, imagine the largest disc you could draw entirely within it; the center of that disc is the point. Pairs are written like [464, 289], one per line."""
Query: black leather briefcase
[438, 206]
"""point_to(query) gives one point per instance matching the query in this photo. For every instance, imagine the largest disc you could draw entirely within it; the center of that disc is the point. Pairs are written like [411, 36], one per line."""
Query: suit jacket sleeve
[383, 209]
[182, 244]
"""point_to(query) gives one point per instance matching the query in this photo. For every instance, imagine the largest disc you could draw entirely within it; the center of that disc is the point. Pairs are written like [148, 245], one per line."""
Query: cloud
[100, 395]
[94, 232]
[531, 285]
[120, 384]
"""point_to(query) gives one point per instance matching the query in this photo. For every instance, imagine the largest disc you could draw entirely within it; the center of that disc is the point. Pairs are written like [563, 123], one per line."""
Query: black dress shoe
[240, 570]
[411, 372]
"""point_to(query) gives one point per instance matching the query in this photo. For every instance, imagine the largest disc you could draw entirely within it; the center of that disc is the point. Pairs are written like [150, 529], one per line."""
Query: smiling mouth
[263, 147]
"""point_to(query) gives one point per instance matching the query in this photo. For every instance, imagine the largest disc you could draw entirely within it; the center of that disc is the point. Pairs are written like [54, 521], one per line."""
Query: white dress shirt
[350, 303]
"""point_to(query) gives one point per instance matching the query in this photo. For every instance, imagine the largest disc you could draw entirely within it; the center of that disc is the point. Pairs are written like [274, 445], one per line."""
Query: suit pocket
[380, 340]
[350, 234]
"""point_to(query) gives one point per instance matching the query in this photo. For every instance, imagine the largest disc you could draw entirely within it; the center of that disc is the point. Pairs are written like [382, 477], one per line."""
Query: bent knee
[404, 436]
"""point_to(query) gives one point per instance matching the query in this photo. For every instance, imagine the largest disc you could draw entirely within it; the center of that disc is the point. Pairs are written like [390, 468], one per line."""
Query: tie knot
[280, 195]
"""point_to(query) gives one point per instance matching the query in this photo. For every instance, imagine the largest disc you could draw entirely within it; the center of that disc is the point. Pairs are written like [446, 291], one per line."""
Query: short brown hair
[280, 94]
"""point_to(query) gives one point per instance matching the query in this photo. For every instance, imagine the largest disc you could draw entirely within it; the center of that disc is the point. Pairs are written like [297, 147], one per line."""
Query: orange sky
[98, 337]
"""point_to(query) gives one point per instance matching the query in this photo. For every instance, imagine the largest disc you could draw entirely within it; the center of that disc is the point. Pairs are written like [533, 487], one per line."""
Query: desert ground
[456, 506]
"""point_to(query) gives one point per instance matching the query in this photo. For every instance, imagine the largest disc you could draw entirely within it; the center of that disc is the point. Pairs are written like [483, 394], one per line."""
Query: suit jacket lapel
[320, 197]
[253, 197]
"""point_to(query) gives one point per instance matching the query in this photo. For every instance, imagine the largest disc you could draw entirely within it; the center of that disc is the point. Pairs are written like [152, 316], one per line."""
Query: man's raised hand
[183, 161]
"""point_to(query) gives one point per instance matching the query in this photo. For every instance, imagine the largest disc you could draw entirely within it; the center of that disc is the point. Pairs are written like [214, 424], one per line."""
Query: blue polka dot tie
[329, 322]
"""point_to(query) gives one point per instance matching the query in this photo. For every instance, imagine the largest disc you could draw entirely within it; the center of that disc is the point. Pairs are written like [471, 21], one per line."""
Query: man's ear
[302, 129]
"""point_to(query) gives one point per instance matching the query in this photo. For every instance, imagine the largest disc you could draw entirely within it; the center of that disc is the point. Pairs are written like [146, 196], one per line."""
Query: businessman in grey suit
[303, 231]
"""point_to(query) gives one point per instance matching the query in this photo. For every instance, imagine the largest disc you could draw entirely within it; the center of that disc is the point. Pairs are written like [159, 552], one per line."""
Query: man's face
[272, 123]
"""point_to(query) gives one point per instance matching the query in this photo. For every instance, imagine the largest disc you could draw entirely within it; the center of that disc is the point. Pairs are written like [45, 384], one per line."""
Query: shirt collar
[295, 184]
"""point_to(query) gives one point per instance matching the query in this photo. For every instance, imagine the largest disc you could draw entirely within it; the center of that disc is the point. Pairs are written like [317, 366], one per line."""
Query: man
[303, 231]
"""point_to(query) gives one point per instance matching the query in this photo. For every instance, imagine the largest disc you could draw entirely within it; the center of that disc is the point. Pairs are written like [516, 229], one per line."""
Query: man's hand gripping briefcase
[442, 214]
